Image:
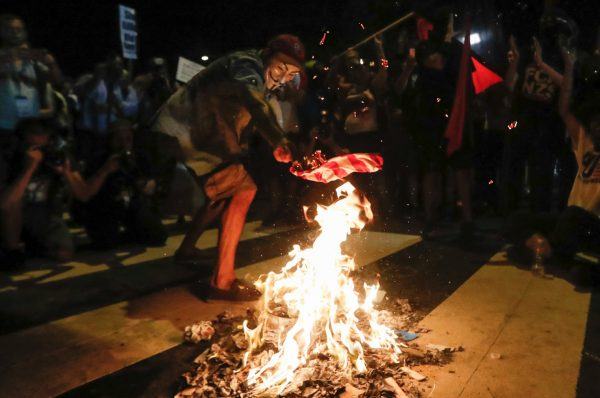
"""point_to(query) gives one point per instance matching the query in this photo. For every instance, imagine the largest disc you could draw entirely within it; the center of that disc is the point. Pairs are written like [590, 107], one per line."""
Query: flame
[321, 304]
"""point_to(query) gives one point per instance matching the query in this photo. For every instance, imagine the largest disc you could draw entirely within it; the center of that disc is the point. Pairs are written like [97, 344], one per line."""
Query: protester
[33, 185]
[577, 228]
[207, 117]
[498, 124]
[539, 136]
[361, 102]
[400, 152]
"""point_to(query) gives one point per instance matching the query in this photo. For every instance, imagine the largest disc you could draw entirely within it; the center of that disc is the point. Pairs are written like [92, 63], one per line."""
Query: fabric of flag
[483, 77]
[456, 123]
[342, 166]
[423, 28]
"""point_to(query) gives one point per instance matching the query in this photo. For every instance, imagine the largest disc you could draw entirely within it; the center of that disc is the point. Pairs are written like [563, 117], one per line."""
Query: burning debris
[220, 372]
[315, 333]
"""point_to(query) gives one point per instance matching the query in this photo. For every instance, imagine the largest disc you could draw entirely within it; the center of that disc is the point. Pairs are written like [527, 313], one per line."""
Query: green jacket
[208, 115]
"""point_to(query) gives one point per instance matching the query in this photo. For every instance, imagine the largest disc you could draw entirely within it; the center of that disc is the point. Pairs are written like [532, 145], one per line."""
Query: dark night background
[81, 33]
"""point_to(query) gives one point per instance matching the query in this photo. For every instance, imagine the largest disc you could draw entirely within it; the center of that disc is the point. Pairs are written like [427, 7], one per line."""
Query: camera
[127, 162]
[56, 152]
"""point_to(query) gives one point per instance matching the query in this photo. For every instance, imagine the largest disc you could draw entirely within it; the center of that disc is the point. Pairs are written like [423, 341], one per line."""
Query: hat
[289, 45]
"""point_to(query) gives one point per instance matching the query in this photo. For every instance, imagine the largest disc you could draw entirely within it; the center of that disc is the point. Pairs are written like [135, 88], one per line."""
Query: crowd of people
[118, 154]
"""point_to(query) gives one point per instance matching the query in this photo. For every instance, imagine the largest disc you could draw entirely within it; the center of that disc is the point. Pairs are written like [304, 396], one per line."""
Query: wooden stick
[380, 31]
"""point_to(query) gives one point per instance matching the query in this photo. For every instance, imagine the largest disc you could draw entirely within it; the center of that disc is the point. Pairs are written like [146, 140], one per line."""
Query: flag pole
[380, 31]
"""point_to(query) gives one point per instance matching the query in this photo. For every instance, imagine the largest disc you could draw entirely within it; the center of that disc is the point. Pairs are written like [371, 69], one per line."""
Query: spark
[513, 125]
[323, 38]
[361, 25]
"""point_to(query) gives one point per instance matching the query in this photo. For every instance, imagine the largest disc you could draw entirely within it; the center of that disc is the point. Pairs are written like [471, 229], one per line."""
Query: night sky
[81, 33]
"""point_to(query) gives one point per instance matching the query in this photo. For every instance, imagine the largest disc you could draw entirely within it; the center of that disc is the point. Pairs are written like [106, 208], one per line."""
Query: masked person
[25, 77]
[207, 118]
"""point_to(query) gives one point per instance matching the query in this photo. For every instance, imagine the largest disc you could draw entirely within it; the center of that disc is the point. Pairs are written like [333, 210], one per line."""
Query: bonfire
[315, 331]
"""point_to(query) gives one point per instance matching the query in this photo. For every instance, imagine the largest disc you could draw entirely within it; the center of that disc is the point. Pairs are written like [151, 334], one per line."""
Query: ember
[315, 332]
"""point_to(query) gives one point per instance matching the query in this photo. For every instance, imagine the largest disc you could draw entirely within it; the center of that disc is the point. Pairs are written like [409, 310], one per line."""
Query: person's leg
[218, 187]
[541, 179]
[432, 185]
[11, 225]
[102, 225]
[47, 234]
[58, 240]
[576, 230]
[203, 218]
[145, 224]
[463, 188]
[232, 224]
[518, 148]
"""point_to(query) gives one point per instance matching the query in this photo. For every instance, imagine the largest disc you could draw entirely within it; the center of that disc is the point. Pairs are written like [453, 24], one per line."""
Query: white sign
[186, 69]
[128, 27]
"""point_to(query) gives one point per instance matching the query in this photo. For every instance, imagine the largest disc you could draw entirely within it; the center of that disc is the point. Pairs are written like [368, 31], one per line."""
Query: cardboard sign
[128, 28]
[186, 69]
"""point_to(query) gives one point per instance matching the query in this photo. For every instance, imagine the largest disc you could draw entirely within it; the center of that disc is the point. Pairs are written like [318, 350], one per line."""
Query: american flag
[342, 166]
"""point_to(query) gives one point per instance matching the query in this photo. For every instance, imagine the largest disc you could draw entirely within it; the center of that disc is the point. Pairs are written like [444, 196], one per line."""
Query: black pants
[140, 220]
[488, 159]
[572, 231]
[537, 143]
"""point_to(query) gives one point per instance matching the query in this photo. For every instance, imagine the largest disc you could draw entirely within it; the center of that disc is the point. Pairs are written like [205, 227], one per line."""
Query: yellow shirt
[586, 188]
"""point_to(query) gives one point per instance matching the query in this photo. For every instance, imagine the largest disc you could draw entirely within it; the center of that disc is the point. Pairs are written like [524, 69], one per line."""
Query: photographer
[125, 199]
[34, 183]
[154, 88]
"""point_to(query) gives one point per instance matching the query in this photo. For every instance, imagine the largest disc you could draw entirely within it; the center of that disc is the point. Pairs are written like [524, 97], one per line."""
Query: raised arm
[82, 189]
[539, 61]
[571, 122]
[408, 68]
[14, 192]
[513, 63]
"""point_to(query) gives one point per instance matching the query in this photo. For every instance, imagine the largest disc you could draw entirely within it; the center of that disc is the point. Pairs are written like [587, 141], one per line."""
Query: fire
[312, 307]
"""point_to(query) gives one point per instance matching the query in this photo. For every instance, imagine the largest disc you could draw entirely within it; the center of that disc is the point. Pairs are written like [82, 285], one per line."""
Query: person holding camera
[34, 184]
[125, 200]
[26, 76]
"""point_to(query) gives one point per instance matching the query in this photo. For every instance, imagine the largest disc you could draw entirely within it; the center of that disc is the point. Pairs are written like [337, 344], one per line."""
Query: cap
[289, 45]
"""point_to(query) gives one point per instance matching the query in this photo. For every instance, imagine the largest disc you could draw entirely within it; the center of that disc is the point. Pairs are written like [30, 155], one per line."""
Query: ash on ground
[219, 370]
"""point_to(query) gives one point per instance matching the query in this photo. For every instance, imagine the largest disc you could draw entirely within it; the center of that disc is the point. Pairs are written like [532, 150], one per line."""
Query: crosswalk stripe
[536, 326]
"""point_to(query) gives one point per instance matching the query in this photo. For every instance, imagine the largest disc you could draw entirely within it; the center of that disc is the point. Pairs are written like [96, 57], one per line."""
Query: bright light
[362, 61]
[475, 38]
[204, 58]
